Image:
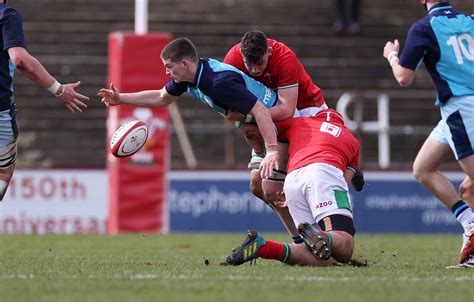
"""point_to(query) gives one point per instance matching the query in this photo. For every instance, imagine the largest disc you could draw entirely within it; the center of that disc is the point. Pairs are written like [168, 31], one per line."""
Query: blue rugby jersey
[11, 30]
[222, 87]
[444, 41]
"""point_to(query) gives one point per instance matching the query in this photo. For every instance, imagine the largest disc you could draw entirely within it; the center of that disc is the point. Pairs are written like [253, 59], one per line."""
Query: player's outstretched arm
[146, 98]
[36, 72]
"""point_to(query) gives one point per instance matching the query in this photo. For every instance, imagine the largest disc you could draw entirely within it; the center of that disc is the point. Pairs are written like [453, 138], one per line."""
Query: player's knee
[419, 172]
[343, 246]
[3, 188]
[255, 185]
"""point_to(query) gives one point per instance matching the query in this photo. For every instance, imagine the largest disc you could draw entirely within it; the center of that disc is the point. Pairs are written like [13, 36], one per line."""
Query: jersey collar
[197, 77]
[440, 6]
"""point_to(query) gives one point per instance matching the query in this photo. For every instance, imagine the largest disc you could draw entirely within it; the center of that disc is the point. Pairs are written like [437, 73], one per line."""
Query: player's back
[454, 33]
[319, 139]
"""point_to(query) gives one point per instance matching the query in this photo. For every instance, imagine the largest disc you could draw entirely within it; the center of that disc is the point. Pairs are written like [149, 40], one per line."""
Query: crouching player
[316, 192]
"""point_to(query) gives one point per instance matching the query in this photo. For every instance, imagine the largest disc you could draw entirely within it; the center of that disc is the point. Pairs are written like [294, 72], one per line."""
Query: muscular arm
[146, 98]
[264, 123]
[30, 66]
[404, 76]
[286, 106]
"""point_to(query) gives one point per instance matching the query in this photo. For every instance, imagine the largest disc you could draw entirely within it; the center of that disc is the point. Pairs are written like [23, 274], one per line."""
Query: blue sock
[458, 208]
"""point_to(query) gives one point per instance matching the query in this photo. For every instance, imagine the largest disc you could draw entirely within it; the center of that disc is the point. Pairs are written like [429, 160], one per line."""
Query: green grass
[171, 268]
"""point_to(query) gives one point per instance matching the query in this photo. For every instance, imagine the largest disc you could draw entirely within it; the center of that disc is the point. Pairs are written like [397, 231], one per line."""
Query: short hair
[253, 46]
[179, 49]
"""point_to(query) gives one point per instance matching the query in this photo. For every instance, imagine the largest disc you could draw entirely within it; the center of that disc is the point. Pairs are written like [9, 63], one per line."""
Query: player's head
[331, 116]
[180, 58]
[255, 52]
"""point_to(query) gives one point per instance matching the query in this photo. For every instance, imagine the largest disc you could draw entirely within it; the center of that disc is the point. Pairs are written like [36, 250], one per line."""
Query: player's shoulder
[6, 11]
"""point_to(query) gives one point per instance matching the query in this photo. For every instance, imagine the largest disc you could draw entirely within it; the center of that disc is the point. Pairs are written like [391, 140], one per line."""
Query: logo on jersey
[267, 97]
[331, 129]
[323, 204]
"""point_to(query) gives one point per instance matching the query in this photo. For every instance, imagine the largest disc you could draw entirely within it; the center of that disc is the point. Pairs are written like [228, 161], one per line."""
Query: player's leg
[255, 246]
[324, 219]
[425, 169]
[458, 117]
[8, 149]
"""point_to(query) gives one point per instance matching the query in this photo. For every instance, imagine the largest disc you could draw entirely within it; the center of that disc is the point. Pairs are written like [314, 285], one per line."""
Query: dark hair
[179, 49]
[253, 46]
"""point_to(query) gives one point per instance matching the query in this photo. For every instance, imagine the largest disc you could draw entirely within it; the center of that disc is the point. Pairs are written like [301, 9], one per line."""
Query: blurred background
[70, 38]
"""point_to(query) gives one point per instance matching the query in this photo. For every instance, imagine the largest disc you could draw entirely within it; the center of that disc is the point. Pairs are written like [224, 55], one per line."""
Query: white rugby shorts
[316, 191]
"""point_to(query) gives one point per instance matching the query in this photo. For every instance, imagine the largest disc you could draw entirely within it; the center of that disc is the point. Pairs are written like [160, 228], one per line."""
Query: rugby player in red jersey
[316, 191]
[276, 65]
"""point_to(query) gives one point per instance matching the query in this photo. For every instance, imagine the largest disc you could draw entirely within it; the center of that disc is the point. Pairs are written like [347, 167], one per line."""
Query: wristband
[393, 53]
[249, 118]
[393, 60]
[271, 148]
[350, 168]
[54, 88]
[271, 153]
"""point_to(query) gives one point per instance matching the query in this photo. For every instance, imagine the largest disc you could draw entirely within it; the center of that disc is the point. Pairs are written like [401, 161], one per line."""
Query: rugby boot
[247, 251]
[467, 251]
[316, 240]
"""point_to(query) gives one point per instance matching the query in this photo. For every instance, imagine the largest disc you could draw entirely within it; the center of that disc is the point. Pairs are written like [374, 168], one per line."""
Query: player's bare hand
[466, 190]
[391, 47]
[269, 163]
[110, 97]
[72, 99]
[234, 115]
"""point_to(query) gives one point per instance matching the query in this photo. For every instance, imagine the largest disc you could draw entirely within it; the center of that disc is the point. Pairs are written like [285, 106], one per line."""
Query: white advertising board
[55, 201]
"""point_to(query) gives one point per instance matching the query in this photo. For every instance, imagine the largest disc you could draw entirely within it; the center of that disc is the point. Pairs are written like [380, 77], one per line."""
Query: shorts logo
[323, 204]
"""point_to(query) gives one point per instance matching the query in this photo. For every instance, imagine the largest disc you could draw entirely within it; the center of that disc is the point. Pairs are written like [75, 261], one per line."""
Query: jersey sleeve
[283, 126]
[234, 58]
[13, 30]
[414, 49]
[354, 163]
[288, 70]
[176, 89]
[232, 93]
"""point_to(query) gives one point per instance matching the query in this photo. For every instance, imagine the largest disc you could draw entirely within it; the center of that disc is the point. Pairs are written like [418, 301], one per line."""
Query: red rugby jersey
[319, 139]
[284, 70]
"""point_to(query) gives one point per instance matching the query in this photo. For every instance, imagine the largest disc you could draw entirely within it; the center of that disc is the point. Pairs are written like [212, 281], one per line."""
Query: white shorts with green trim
[317, 191]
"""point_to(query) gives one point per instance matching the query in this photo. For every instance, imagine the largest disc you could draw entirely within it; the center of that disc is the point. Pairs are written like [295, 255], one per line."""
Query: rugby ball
[129, 138]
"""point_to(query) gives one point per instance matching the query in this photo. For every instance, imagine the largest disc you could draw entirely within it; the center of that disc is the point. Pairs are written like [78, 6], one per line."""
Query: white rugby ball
[129, 138]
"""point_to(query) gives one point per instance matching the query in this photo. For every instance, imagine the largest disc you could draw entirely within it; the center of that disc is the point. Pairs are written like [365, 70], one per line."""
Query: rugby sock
[297, 239]
[463, 214]
[275, 250]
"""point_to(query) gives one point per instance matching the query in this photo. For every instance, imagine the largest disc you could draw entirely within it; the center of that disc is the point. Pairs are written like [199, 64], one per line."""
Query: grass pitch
[172, 268]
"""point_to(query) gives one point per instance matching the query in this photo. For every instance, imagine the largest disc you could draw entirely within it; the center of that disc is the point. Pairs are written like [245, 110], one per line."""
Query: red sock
[272, 250]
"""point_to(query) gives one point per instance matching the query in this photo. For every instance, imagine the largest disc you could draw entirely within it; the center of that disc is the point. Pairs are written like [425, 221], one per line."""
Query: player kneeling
[316, 193]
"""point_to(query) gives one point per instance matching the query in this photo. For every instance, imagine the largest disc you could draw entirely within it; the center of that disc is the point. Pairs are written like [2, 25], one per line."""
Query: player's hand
[391, 47]
[72, 99]
[269, 163]
[466, 190]
[110, 97]
[234, 115]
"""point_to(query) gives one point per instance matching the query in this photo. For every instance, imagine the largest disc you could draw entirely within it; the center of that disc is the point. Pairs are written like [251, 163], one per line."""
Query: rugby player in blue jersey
[444, 42]
[220, 86]
[13, 55]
